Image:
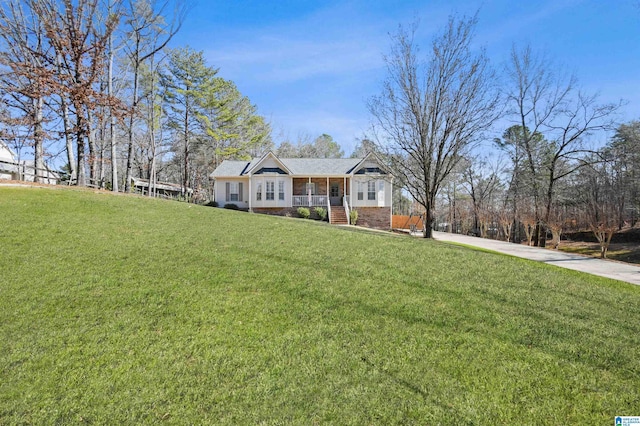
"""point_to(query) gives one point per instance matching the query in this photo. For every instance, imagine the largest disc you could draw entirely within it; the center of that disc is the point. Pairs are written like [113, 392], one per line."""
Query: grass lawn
[124, 310]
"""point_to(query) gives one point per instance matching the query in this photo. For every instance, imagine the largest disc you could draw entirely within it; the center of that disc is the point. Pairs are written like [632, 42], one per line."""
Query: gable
[370, 166]
[269, 163]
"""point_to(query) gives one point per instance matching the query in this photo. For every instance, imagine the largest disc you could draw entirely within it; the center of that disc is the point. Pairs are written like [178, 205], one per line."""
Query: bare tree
[113, 116]
[601, 191]
[527, 217]
[430, 114]
[79, 47]
[550, 105]
[623, 152]
[24, 80]
[555, 223]
[149, 33]
[505, 220]
[482, 184]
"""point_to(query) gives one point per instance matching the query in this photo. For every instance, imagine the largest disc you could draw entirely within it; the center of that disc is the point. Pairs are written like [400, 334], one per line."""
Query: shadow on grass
[397, 380]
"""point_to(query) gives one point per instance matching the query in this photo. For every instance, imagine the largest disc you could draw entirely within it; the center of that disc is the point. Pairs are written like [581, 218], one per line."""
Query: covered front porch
[320, 192]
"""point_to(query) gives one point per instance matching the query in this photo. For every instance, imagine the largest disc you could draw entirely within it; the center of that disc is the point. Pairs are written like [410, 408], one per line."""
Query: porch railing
[310, 200]
[346, 209]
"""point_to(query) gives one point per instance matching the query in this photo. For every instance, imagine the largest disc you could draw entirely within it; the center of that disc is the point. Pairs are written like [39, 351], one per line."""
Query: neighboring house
[7, 162]
[25, 170]
[279, 186]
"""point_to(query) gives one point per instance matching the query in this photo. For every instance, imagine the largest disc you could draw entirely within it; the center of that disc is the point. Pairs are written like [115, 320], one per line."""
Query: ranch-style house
[279, 186]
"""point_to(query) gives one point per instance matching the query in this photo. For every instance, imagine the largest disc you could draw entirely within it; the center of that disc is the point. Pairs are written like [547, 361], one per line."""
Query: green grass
[123, 310]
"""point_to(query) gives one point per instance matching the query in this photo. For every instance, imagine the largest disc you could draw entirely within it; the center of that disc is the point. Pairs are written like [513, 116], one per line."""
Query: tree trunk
[542, 235]
[603, 252]
[152, 131]
[134, 107]
[93, 152]
[112, 122]
[427, 232]
[71, 158]
[82, 177]
[185, 177]
[38, 141]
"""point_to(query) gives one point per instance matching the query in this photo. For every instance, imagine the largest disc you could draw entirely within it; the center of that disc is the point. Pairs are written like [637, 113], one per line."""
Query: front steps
[338, 216]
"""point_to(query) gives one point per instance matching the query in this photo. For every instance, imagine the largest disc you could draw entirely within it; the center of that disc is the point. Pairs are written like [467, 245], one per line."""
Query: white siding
[220, 193]
[362, 181]
[261, 181]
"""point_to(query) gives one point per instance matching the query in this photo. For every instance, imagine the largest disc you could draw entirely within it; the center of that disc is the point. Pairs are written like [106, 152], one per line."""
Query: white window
[371, 190]
[270, 190]
[281, 190]
[259, 192]
[360, 191]
[234, 191]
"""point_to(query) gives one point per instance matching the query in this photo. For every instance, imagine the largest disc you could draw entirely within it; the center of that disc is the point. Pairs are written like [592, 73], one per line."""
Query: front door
[334, 194]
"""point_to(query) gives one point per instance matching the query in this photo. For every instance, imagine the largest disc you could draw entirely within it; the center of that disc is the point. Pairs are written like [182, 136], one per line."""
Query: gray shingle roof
[297, 166]
[320, 166]
[230, 168]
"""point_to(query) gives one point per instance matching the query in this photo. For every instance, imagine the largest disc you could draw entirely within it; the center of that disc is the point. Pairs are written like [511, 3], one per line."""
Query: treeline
[432, 119]
[94, 80]
[597, 191]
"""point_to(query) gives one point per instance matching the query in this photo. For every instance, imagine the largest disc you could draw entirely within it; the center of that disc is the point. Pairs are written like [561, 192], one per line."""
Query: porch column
[344, 187]
[250, 192]
[351, 192]
[327, 187]
[309, 192]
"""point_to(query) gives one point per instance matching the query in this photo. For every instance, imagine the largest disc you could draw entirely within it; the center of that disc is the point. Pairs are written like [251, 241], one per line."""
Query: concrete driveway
[604, 268]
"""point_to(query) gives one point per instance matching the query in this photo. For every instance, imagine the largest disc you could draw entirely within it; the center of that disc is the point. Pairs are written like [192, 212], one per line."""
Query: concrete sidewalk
[604, 268]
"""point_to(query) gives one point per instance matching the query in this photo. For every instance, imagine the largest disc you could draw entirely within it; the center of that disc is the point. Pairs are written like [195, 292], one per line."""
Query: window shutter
[240, 191]
[228, 188]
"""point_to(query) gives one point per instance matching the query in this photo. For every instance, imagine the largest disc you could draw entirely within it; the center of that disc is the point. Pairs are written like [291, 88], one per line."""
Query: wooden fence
[405, 222]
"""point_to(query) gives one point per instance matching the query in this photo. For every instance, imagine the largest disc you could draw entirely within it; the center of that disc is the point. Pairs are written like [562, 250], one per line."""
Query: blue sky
[311, 66]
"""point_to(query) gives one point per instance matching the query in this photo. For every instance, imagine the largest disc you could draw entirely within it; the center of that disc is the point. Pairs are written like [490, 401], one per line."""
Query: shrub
[231, 206]
[304, 212]
[353, 216]
[211, 204]
[321, 212]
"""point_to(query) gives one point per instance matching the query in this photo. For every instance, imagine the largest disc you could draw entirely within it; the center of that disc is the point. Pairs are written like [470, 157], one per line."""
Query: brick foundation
[278, 211]
[286, 211]
[374, 217]
[370, 217]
